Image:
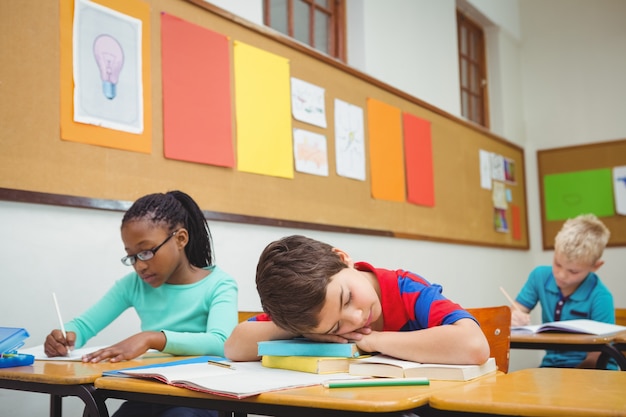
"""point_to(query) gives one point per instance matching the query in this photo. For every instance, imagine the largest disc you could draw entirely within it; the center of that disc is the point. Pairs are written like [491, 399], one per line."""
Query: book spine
[291, 363]
[340, 350]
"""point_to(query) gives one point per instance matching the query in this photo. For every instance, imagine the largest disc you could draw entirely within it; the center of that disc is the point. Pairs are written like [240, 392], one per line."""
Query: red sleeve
[260, 317]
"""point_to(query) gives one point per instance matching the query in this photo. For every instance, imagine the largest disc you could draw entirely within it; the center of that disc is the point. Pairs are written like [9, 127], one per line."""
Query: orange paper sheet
[96, 135]
[197, 115]
[516, 222]
[386, 159]
[418, 154]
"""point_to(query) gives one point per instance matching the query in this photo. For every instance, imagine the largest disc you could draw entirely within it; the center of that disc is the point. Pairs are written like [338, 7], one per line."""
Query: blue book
[199, 359]
[306, 347]
[12, 338]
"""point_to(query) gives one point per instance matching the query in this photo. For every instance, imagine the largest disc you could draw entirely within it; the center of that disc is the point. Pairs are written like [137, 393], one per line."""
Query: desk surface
[565, 338]
[374, 400]
[73, 373]
[540, 392]
[65, 378]
[609, 345]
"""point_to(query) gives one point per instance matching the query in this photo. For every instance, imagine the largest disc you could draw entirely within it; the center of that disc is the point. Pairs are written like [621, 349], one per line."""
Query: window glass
[317, 23]
[301, 21]
[321, 31]
[279, 15]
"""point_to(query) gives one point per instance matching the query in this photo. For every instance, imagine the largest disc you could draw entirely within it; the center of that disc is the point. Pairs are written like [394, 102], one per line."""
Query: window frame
[336, 35]
[478, 113]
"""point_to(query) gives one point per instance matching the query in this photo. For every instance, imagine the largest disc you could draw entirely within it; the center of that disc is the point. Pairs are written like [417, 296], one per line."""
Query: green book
[306, 347]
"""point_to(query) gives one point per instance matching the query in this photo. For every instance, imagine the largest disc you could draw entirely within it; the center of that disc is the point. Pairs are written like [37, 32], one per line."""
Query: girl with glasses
[187, 305]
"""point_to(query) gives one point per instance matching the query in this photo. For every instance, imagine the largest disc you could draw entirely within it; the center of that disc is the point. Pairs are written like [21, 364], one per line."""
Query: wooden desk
[620, 342]
[308, 401]
[569, 341]
[537, 392]
[64, 378]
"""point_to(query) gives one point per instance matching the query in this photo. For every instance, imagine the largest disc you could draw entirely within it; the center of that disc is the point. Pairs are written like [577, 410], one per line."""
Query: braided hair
[175, 208]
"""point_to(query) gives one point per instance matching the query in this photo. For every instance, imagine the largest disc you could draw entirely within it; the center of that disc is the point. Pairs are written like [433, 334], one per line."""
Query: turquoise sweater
[196, 318]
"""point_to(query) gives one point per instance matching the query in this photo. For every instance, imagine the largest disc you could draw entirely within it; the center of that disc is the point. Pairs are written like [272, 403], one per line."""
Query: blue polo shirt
[592, 300]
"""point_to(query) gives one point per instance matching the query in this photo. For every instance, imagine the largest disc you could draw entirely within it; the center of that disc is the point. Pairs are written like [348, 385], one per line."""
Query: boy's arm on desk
[242, 343]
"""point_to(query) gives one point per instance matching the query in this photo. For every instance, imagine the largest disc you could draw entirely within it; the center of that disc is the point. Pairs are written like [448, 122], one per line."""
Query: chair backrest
[495, 323]
[245, 315]
[620, 316]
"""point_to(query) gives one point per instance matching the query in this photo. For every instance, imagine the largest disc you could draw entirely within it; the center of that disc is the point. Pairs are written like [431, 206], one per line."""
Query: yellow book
[311, 364]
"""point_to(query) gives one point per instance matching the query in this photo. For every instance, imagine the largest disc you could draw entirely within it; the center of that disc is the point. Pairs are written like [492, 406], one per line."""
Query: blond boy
[570, 288]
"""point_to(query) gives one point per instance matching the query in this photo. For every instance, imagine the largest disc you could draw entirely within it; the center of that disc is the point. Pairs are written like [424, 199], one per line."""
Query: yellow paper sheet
[263, 108]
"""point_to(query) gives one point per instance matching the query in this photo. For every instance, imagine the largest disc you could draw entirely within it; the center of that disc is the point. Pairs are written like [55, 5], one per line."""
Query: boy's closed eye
[348, 299]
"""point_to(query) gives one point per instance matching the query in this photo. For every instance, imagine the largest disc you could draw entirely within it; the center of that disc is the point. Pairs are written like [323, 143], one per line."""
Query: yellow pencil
[508, 297]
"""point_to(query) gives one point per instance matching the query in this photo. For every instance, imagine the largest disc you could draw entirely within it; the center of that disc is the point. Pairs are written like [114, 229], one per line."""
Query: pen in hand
[56, 305]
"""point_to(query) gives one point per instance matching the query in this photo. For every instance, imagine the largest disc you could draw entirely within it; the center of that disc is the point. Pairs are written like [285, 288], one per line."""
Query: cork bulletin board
[586, 186]
[35, 158]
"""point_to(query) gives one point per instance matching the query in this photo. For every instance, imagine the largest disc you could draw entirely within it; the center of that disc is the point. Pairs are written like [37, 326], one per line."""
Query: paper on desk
[75, 355]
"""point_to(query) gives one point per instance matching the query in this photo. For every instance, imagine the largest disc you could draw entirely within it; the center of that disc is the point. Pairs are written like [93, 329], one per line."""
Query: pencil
[221, 364]
[56, 305]
[508, 297]
[375, 382]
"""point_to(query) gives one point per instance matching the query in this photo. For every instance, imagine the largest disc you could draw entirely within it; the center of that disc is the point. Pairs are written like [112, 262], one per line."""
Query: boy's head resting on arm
[582, 239]
[292, 277]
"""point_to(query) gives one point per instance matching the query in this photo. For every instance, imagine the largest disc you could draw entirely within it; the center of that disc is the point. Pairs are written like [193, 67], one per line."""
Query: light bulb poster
[105, 97]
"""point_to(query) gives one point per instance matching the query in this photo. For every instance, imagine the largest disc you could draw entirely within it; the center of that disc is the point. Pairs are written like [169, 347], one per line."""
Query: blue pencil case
[11, 339]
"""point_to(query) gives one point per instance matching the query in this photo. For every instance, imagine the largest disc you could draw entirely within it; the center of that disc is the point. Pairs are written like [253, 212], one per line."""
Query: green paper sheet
[569, 194]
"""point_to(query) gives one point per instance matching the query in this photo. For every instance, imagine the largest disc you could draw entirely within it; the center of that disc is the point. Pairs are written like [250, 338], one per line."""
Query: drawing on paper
[310, 152]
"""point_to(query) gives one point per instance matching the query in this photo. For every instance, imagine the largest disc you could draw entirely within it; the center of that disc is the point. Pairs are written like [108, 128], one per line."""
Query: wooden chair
[620, 316]
[495, 323]
[245, 315]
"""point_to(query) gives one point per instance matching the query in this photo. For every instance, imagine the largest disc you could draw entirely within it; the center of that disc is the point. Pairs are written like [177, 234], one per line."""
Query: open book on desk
[581, 326]
[237, 380]
[387, 366]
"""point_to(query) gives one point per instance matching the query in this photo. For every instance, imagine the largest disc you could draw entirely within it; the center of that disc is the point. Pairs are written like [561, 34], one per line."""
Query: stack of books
[329, 358]
[308, 356]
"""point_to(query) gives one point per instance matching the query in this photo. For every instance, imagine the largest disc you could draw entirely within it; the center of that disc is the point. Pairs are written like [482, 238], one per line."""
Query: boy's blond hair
[582, 239]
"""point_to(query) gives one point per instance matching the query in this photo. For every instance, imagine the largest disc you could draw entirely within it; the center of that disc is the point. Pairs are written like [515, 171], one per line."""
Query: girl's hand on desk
[129, 348]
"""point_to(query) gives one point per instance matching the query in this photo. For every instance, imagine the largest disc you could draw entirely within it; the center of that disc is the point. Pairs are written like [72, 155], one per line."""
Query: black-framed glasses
[145, 255]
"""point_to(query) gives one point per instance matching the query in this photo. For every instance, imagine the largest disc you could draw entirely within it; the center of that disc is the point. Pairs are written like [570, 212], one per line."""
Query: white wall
[573, 91]
[573, 66]
[547, 94]
[396, 43]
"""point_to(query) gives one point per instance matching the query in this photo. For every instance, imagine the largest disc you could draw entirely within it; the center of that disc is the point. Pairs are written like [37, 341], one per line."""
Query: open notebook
[582, 326]
[240, 380]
